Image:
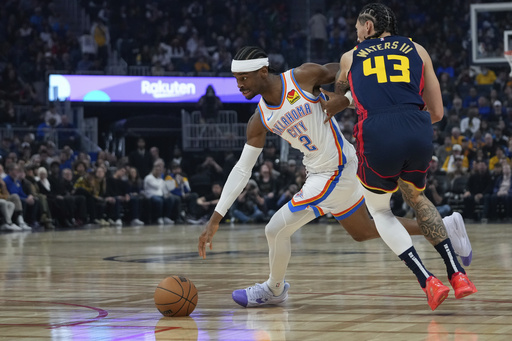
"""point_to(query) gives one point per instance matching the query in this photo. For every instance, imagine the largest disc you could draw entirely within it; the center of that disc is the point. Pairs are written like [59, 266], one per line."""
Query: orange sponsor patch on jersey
[292, 96]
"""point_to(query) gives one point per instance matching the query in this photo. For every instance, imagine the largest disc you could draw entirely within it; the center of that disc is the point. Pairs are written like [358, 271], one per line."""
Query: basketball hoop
[508, 56]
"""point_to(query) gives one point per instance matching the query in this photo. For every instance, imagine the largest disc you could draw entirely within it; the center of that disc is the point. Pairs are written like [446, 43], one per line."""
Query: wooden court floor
[98, 284]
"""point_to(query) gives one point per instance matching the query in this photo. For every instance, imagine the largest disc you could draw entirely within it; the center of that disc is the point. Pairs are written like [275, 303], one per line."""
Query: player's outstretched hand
[205, 239]
[333, 104]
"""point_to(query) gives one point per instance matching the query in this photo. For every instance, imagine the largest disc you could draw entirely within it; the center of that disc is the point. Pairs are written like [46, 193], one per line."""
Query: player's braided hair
[252, 52]
[382, 16]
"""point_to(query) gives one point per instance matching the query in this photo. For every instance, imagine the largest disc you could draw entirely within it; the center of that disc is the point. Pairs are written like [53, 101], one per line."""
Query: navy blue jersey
[393, 70]
[393, 134]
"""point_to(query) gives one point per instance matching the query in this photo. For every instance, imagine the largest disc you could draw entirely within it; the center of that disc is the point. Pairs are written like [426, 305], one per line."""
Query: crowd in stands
[46, 189]
[55, 184]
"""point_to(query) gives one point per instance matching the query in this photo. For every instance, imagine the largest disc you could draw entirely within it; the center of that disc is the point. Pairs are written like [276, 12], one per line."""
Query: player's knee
[270, 232]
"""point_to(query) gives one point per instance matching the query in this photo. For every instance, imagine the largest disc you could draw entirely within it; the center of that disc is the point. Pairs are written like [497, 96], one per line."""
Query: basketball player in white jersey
[290, 107]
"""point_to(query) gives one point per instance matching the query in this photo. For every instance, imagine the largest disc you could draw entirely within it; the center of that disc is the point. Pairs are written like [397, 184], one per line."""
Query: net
[508, 56]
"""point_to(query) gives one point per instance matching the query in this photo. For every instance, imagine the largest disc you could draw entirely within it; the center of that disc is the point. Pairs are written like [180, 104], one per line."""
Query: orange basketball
[176, 296]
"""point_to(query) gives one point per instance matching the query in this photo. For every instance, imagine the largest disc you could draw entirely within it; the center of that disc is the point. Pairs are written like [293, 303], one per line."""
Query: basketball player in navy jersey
[393, 84]
[290, 107]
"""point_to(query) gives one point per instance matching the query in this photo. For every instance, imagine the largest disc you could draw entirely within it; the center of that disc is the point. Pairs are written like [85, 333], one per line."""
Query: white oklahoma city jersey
[331, 162]
[299, 119]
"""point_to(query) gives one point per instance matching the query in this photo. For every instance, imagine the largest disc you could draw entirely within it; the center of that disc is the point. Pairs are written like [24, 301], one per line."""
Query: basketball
[175, 296]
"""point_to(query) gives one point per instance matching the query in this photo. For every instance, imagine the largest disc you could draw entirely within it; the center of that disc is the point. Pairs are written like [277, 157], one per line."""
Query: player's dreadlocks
[382, 17]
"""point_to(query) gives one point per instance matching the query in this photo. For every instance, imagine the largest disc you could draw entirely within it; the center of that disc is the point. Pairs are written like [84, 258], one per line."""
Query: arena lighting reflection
[141, 89]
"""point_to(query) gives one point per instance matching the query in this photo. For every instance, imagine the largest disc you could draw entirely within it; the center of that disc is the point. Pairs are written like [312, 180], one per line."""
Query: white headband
[248, 65]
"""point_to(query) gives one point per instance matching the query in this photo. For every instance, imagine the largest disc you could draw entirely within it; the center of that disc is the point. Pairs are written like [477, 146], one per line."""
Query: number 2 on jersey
[379, 68]
[306, 142]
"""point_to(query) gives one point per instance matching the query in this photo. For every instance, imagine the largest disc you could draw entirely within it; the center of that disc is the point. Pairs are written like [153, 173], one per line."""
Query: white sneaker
[168, 221]
[160, 221]
[11, 227]
[118, 222]
[137, 222]
[258, 295]
[458, 236]
[25, 227]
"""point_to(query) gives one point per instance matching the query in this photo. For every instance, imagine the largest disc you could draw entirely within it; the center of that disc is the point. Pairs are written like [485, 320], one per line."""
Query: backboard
[489, 34]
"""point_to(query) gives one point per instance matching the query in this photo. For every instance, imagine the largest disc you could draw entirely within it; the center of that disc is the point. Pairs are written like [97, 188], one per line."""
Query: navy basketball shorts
[394, 145]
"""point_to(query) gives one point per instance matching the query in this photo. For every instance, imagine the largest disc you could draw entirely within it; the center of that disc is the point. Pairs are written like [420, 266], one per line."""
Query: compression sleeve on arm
[238, 178]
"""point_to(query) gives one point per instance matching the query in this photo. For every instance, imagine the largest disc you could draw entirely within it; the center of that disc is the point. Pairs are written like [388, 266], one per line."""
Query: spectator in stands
[484, 108]
[67, 134]
[202, 65]
[500, 157]
[445, 68]
[135, 187]
[499, 138]
[7, 209]
[85, 186]
[141, 158]
[29, 182]
[209, 104]
[470, 124]
[64, 187]
[213, 170]
[59, 208]
[508, 150]
[489, 147]
[456, 135]
[80, 169]
[7, 114]
[162, 59]
[318, 33]
[101, 35]
[450, 164]
[86, 63]
[286, 176]
[287, 195]
[453, 121]
[485, 77]
[268, 188]
[444, 150]
[117, 188]
[13, 184]
[447, 85]
[155, 153]
[471, 100]
[468, 150]
[501, 196]
[207, 203]
[109, 206]
[135, 184]
[479, 184]
[435, 191]
[157, 69]
[88, 44]
[11, 87]
[162, 202]
[177, 184]
[249, 206]
[498, 112]
[477, 140]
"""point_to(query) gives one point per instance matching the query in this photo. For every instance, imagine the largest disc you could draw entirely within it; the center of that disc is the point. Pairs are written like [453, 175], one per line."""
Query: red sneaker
[436, 292]
[462, 285]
